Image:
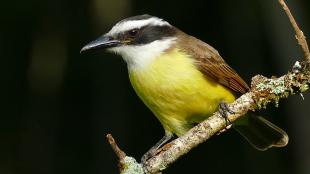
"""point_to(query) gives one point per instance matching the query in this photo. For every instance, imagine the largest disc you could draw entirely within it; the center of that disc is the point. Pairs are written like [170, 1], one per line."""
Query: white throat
[139, 56]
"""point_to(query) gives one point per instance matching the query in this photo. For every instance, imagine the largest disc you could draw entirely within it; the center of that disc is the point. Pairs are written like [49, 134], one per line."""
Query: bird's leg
[223, 110]
[153, 151]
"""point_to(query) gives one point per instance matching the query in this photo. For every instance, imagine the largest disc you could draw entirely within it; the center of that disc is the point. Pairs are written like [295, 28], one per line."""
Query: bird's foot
[156, 148]
[223, 110]
[149, 154]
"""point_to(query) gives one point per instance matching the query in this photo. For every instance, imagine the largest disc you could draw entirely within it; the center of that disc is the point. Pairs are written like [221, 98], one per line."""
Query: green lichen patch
[272, 90]
[131, 166]
[274, 86]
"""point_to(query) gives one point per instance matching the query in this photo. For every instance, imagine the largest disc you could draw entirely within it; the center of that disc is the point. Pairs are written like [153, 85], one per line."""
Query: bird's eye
[133, 32]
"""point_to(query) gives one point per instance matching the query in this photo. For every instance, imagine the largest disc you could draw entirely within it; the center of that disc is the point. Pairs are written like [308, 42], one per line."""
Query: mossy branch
[263, 91]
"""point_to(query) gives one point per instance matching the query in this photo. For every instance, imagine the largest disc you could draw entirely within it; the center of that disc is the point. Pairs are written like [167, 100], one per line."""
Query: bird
[181, 79]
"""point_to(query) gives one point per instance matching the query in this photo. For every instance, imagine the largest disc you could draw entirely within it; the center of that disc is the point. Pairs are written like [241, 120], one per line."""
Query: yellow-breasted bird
[181, 79]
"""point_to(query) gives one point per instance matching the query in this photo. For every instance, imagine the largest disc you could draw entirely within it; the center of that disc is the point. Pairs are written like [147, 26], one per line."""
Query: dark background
[57, 105]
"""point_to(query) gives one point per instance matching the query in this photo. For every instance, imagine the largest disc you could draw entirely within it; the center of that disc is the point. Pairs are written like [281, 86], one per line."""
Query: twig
[119, 153]
[263, 91]
[299, 34]
[127, 165]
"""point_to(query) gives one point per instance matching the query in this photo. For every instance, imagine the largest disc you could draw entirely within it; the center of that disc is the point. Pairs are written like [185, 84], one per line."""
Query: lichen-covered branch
[263, 91]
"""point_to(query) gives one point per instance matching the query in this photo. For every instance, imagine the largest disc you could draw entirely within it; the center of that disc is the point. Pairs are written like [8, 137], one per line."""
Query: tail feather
[261, 133]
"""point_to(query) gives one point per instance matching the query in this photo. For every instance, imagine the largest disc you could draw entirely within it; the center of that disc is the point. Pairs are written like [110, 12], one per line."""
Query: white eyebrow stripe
[129, 25]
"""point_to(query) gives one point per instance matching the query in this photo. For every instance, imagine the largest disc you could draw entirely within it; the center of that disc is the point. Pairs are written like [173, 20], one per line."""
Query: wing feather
[211, 64]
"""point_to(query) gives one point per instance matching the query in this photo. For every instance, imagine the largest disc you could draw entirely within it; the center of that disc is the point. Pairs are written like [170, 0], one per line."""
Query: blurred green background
[58, 105]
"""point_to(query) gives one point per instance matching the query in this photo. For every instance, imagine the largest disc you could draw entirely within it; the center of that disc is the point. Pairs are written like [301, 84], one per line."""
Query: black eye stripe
[129, 35]
[133, 32]
[148, 34]
[152, 33]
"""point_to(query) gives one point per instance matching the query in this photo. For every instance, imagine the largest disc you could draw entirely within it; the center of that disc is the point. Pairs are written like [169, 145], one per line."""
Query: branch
[263, 91]
[299, 34]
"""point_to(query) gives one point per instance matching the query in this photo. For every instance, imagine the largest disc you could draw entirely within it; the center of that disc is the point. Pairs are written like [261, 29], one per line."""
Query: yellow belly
[177, 93]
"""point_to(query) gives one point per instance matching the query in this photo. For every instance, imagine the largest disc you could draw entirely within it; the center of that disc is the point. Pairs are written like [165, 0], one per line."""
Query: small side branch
[119, 153]
[299, 34]
[127, 165]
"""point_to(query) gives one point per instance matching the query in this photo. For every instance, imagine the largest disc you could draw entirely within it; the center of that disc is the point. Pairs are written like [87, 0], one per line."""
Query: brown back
[211, 64]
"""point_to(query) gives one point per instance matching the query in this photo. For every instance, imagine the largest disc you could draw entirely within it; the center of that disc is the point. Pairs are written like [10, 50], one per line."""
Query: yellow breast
[177, 92]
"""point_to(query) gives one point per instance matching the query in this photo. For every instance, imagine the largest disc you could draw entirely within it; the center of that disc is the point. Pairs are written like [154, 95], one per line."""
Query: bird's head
[138, 39]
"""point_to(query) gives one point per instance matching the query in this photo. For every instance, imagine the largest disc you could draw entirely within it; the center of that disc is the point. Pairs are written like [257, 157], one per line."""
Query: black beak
[102, 42]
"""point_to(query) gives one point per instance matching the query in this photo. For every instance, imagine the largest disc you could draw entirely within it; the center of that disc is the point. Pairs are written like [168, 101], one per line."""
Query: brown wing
[212, 64]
